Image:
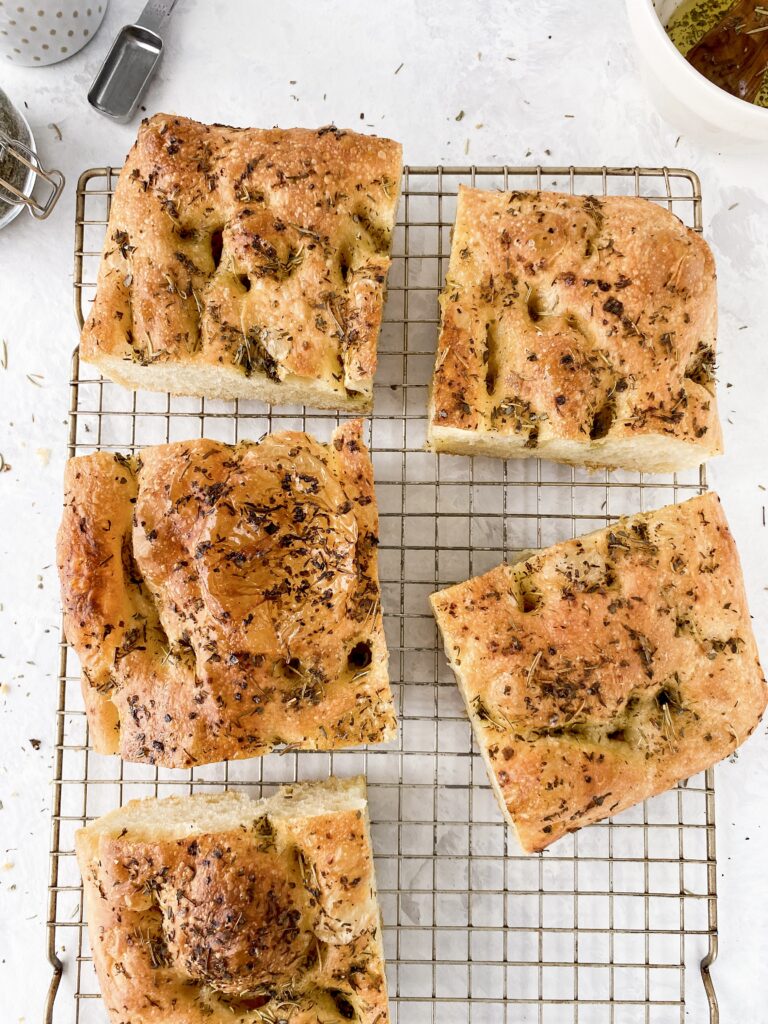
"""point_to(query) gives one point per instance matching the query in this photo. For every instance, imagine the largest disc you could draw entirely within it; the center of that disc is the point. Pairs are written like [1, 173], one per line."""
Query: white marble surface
[516, 69]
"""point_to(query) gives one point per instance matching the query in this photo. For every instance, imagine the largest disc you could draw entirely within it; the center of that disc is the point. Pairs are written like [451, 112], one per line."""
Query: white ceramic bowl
[34, 33]
[684, 96]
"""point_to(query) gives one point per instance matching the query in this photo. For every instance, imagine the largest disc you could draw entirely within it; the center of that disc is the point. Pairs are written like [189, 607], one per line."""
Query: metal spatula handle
[155, 15]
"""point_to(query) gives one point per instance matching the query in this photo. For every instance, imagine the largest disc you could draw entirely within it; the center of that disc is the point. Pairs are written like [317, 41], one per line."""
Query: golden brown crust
[220, 908]
[603, 670]
[576, 328]
[247, 263]
[224, 600]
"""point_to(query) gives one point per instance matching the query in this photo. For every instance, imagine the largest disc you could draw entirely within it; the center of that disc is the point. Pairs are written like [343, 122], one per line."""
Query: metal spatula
[734, 53]
[131, 62]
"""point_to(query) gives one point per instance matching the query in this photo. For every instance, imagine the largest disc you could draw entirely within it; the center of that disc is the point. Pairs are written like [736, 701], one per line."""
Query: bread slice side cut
[209, 381]
[653, 453]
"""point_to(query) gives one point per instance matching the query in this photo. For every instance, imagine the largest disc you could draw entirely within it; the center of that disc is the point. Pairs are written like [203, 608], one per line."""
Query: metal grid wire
[608, 925]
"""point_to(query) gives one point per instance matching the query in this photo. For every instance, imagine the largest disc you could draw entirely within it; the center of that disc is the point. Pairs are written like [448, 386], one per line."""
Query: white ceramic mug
[39, 32]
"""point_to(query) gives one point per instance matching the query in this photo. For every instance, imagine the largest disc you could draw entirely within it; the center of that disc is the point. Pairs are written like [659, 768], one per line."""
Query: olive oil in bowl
[727, 41]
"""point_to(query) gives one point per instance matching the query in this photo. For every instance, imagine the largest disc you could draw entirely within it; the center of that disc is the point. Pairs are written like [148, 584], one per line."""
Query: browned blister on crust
[221, 908]
[605, 669]
[247, 263]
[224, 599]
[579, 329]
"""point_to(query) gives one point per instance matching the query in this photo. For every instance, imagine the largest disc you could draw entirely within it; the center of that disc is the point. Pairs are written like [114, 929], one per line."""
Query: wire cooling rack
[615, 924]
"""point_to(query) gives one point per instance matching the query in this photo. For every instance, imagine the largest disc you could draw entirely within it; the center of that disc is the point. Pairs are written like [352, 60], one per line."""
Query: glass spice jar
[20, 168]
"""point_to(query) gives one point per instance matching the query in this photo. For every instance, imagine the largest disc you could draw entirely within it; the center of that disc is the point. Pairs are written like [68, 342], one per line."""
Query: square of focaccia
[224, 599]
[242, 263]
[605, 669]
[221, 909]
[576, 329]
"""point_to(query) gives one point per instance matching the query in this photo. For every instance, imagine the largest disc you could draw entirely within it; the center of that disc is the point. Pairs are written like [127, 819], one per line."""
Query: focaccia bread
[579, 329]
[242, 263]
[603, 670]
[224, 599]
[227, 910]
